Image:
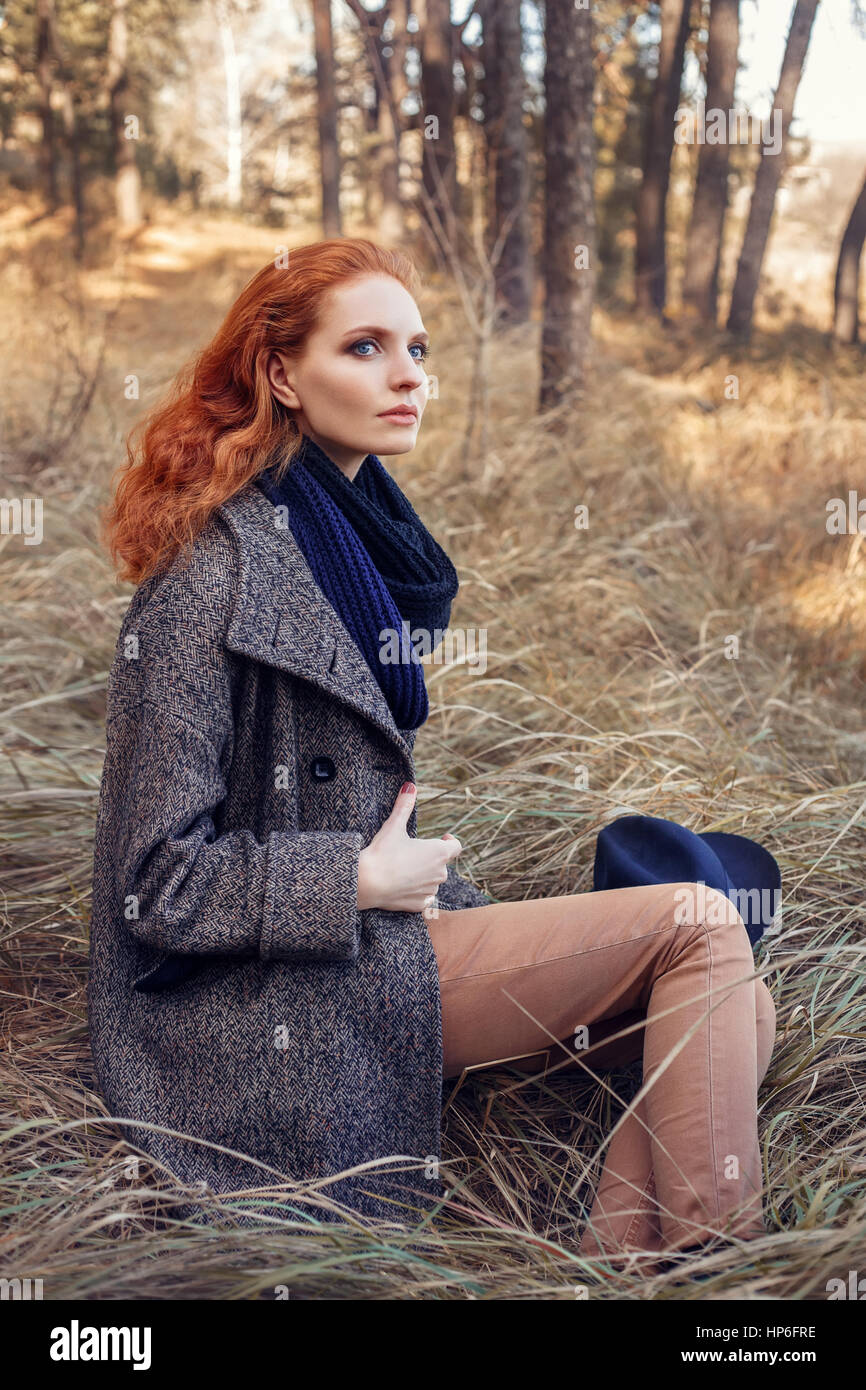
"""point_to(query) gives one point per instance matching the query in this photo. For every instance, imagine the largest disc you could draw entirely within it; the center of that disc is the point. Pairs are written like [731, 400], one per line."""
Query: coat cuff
[310, 911]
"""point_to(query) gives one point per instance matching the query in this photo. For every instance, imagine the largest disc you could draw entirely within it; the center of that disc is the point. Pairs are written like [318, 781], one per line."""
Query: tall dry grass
[606, 666]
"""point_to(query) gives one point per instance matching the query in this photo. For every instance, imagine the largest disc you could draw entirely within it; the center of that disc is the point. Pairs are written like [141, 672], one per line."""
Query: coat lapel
[282, 617]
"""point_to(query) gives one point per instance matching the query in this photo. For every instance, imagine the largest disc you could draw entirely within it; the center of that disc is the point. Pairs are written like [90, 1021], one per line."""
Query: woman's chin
[397, 441]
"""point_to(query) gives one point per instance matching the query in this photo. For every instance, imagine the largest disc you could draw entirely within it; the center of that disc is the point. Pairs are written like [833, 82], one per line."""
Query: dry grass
[605, 652]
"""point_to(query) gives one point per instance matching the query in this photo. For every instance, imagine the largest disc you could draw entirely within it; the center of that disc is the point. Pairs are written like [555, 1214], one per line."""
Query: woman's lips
[400, 417]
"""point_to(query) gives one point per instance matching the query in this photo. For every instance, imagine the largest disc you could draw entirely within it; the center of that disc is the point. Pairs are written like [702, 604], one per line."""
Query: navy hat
[649, 849]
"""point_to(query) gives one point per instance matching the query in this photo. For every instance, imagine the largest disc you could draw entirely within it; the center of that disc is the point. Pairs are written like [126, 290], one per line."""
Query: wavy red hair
[221, 423]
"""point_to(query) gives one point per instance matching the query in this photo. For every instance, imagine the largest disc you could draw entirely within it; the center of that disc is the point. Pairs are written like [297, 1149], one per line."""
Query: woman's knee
[710, 918]
[697, 904]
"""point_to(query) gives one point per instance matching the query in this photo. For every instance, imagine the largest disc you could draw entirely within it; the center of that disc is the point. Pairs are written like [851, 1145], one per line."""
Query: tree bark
[386, 38]
[234, 127]
[392, 224]
[706, 229]
[70, 129]
[569, 211]
[437, 119]
[490, 89]
[45, 74]
[326, 108]
[508, 169]
[650, 271]
[127, 180]
[846, 293]
[769, 172]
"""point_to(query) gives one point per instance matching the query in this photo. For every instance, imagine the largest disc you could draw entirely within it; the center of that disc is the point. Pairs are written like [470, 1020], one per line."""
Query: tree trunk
[44, 70]
[769, 172]
[371, 124]
[70, 127]
[127, 181]
[326, 107]
[706, 229]
[490, 89]
[846, 293]
[437, 119]
[234, 128]
[392, 225]
[650, 273]
[508, 151]
[569, 211]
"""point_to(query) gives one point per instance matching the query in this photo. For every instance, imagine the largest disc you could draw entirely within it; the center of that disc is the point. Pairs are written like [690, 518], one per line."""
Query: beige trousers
[560, 975]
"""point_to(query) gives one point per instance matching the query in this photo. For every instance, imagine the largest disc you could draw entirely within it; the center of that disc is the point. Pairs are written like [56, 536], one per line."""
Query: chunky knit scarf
[376, 563]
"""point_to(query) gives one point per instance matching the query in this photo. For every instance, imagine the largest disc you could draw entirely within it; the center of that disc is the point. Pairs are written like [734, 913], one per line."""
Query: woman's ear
[278, 373]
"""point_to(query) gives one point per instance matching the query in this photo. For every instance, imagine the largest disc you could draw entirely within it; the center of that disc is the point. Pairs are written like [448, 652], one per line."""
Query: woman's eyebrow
[383, 332]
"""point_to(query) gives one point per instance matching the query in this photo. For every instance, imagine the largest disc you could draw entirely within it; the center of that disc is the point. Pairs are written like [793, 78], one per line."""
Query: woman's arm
[184, 889]
[187, 890]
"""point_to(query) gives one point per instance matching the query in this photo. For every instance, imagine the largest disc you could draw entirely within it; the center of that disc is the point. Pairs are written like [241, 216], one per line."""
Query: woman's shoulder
[198, 584]
[209, 567]
[171, 644]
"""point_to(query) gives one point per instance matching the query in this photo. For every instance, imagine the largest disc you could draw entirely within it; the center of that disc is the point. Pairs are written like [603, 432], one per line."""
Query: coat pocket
[169, 972]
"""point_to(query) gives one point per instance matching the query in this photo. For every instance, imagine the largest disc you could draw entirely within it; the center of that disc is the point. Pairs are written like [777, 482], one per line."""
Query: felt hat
[649, 849]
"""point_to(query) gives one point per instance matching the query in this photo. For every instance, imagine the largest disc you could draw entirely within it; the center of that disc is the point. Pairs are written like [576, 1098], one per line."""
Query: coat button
[322, 769]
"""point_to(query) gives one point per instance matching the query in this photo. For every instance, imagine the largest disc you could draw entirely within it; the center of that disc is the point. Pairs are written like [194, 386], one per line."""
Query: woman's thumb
[402, 808]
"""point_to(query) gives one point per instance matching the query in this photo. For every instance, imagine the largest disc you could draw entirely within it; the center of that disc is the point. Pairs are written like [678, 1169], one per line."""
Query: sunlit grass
[610, 688]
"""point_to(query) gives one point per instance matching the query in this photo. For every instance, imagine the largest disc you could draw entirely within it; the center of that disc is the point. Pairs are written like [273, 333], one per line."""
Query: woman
[274, 992]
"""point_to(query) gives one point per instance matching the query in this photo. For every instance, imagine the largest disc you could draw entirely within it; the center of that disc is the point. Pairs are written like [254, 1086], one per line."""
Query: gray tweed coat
[236, 994]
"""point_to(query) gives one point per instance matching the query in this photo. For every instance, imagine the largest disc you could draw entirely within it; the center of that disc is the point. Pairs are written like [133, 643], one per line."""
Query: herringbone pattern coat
[235, 992]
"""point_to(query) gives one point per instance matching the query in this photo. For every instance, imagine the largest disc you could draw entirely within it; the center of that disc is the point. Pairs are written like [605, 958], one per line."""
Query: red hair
[222, 423]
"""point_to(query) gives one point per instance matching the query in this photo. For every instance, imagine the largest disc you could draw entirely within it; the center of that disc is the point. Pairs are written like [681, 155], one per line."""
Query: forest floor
[696, 652]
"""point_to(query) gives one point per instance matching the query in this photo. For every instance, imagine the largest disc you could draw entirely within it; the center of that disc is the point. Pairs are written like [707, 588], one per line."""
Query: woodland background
[666, 334]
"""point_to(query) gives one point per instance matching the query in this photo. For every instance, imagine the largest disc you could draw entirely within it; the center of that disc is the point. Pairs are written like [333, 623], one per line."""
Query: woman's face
[364, 358]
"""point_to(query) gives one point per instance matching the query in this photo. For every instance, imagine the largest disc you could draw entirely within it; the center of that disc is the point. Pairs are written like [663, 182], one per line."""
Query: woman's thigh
[515, 977]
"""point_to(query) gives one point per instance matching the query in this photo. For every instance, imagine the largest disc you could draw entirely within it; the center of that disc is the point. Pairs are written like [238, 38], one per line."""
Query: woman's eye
[423, 349]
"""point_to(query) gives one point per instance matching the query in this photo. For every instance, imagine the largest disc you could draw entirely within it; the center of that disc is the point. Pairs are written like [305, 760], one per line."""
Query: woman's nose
[411, 378]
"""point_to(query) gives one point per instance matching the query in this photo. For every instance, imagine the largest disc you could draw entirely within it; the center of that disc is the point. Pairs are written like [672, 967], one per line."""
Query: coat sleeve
[457, 892]
[184, 888]
[187, 890]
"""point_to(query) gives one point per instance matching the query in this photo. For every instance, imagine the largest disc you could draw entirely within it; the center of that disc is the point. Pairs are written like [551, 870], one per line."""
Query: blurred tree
[769, 172]
[846, 293]
[45, 70]
[54, 75]
[438, 103]
[394, 42]
[624, 84]
[234, 118]
[569, 204]
[650, 270]
[127, 179]
[704, 242]
[507, 152]
[387, 41]
[326, 109]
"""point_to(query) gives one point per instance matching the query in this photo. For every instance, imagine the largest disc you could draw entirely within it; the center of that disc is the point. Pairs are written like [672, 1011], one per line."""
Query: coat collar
[281, 616]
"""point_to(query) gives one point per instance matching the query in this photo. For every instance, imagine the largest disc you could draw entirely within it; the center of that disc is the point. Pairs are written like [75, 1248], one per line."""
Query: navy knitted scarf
[376, 563]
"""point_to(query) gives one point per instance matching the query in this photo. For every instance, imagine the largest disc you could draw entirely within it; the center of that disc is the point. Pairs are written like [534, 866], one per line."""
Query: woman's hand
[399, 873]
